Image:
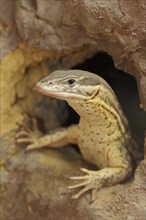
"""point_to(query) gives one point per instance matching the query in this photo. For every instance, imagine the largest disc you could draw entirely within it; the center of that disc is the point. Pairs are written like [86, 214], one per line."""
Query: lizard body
[102, 134]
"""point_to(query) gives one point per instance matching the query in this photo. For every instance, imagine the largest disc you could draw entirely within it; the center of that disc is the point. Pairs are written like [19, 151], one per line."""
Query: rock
[34, 186]
[39, 37]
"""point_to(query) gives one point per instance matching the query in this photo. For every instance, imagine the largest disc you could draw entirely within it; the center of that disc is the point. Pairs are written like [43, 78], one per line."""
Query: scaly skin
[102, 133]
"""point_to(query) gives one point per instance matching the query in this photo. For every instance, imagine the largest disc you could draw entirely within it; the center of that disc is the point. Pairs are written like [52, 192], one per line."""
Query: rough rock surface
[63, 34]
[34, 186]
[116, 27]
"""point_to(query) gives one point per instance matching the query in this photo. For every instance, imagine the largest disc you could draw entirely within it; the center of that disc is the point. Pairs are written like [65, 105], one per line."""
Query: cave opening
[125, 87]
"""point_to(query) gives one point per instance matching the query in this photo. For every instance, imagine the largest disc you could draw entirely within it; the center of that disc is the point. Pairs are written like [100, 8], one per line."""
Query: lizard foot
[27, 135]
[90, 182]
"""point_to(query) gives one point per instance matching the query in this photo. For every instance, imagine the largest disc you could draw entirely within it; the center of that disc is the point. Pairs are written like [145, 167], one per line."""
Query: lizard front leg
[57, 138]
[119, 167]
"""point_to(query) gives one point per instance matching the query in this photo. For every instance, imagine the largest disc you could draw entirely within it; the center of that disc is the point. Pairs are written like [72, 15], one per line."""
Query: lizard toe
[82, 191]
[24, 140]
[22, 134]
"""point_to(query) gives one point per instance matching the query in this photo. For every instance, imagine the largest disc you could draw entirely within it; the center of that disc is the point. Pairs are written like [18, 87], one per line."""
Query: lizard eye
[71, 82]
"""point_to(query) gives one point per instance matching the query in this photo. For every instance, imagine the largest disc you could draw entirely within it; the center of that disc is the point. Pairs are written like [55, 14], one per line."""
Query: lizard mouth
[39, 89]
[63, 95]
[48, 92]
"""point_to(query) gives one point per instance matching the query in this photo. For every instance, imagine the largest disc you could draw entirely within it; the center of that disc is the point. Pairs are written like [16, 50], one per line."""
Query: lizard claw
[26, 135]
[34, 124]
[90, 182]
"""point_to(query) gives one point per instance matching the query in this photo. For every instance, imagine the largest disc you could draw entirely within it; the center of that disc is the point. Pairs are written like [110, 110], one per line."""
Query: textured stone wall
[60, 26]
[38, 37]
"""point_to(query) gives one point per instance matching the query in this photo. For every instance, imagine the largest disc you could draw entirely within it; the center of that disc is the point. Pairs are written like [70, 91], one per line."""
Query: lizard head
[70, 84]
[78, 87]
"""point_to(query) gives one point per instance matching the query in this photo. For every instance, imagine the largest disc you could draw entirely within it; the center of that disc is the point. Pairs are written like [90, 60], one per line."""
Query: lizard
[102, 134]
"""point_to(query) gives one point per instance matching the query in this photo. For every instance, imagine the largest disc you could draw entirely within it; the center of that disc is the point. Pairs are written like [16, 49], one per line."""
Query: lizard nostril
[50, 83]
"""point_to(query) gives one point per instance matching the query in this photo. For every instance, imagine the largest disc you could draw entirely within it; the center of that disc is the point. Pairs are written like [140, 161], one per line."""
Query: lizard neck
[85, 109]
[95, 110]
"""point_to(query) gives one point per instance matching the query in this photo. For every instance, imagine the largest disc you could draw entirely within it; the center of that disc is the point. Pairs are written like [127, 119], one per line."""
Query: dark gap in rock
[34, 4]
[123, 84]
